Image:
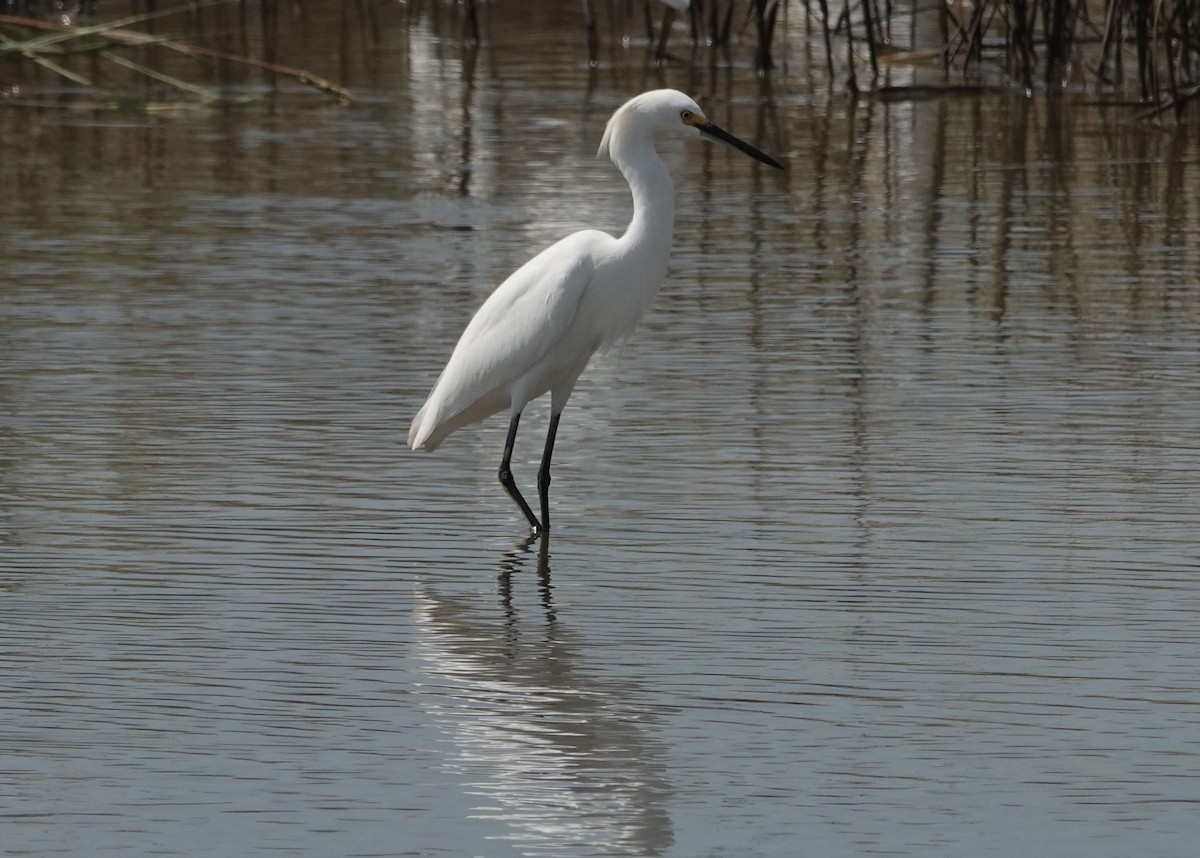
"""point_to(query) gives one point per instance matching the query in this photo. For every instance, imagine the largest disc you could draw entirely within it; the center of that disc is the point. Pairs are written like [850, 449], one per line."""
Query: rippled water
[879, 537]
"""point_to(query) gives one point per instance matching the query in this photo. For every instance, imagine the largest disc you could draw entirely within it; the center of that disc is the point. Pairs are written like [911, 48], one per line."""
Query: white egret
[536, 333]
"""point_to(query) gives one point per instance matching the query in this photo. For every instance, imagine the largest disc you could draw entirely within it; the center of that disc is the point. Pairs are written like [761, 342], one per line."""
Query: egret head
[665, 111]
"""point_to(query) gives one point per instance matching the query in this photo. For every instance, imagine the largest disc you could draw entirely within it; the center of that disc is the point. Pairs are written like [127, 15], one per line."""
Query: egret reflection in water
[561, 758]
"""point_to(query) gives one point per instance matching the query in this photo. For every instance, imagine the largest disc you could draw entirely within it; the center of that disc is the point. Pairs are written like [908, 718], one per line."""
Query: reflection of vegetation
[1146, 50]
[1051, 39]
[55, 46]
[1049, 43]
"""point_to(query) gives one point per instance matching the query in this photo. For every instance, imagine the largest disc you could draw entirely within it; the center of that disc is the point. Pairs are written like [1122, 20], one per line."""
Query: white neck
[653, 223]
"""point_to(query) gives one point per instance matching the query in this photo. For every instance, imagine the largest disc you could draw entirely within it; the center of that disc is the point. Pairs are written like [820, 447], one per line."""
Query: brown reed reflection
[1128, 49]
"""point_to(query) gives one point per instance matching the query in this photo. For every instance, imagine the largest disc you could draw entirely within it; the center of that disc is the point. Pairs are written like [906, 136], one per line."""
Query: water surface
[877, 538]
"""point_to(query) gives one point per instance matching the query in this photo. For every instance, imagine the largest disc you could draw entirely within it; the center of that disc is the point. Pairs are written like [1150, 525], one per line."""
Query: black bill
[718, 133]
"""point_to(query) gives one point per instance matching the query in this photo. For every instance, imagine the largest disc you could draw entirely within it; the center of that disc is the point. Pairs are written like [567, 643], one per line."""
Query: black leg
[506, 477]
[544, 472]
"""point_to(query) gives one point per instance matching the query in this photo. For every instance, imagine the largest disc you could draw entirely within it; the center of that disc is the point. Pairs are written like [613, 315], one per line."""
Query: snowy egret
[536, 333]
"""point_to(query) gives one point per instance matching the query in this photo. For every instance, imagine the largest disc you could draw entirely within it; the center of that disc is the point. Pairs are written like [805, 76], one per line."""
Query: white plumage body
[536, 333]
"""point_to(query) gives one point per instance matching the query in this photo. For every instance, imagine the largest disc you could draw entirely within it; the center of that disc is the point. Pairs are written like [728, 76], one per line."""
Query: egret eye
[686, 115]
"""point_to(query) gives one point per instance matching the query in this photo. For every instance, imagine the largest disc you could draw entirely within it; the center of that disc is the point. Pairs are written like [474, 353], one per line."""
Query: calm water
[879, 538]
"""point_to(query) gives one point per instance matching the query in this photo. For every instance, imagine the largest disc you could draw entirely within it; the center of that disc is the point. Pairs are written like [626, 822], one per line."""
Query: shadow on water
[557, 755]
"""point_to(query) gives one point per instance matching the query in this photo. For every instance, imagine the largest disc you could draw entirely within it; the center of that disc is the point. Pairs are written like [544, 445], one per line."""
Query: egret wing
[514, 329]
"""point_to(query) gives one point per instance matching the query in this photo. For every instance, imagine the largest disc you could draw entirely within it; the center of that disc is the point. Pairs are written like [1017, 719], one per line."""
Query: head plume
[646, 113]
